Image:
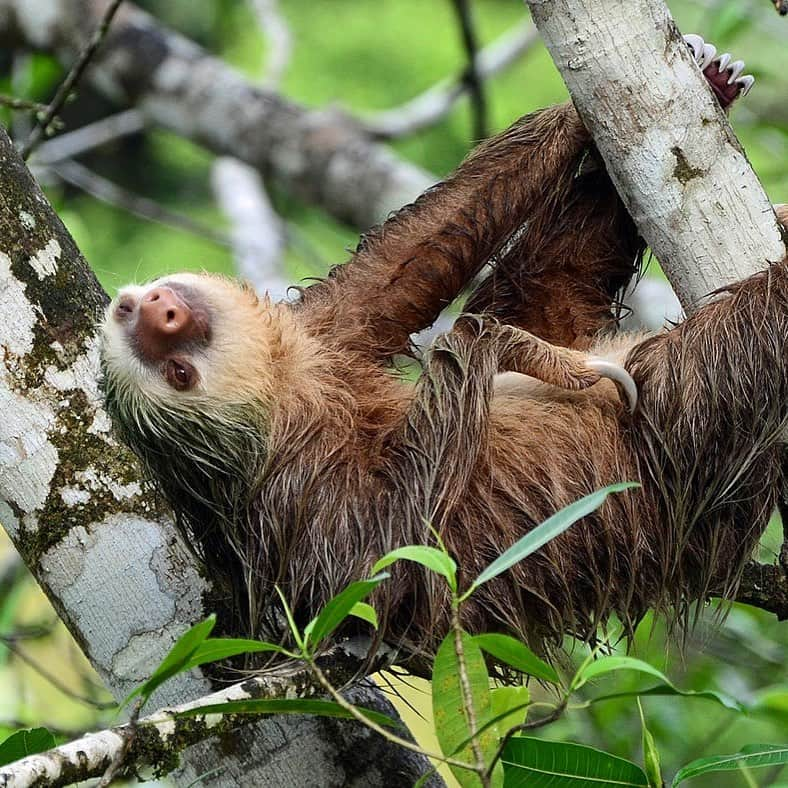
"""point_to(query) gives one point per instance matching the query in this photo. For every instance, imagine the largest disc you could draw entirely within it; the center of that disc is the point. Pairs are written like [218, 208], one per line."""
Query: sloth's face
[186, 341]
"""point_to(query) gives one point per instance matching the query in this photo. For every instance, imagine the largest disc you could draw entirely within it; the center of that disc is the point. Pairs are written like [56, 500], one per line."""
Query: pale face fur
[234, 365]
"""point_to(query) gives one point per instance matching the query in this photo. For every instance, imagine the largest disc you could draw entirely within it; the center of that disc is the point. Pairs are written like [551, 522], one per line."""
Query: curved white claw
[736, 68]
[616, 373]
[695, 43]
[746, 83]
[723, 60]
[709, 52]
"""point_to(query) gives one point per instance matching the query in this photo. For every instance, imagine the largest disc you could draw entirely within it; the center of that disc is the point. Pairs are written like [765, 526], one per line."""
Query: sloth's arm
[408, 269]
[561, 277]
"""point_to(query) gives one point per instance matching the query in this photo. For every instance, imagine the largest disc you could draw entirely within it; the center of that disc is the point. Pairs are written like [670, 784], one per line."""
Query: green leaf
[549, 529]
[431, 557]
[670, 689]
[508, 706]
[177, 660]
[604, 665]
[512, 652]
[534, 763]
[753, 756]
[450, 714]
[650, 754]
[215, 649]
[338, 609]
[25, 742]
[322, 708]
[365, 612]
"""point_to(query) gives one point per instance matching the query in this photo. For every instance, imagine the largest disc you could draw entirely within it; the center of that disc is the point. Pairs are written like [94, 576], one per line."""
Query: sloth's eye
[181, 375]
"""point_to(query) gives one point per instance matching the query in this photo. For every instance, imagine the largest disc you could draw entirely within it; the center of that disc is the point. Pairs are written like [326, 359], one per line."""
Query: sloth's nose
[163, 313]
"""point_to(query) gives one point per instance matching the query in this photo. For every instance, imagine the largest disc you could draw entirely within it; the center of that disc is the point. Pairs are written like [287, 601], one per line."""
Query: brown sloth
[294, 456]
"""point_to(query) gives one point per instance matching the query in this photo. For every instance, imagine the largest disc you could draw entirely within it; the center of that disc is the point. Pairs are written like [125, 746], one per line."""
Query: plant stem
[526, 726]
[379, 729]
[467, 695]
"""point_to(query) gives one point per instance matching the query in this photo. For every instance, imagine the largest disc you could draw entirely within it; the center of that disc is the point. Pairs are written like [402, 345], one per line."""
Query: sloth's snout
[163, 313]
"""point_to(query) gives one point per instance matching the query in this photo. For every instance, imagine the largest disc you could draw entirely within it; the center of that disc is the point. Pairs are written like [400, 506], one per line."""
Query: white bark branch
[666, 143]
[161, 737]
[257, 232]
[321, 156]
[429, 107]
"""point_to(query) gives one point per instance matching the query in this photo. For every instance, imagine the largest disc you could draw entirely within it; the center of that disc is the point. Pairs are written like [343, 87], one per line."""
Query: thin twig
[105, 190]
[55, 730]
[52, 679]
[67, 86]
[429, 107]
[12, 102]
[526, 726]
[119, 759]
[379, 729]
[471, 74]
[277, 34]
[86, 138]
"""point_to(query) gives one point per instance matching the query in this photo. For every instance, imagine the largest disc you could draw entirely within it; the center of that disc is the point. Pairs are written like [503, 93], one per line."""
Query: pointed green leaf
[548, 530]
[431, 557]
[512, 652]
[753, 756]
[215, 649]
[669, 689]
[321, 708]
[650, 754]
[450, 714]
[25, 742]
[604, 665]
[536, 763]
[176, 660]
[338, 609]
[611, 664]
[365, 612]
[508, 706]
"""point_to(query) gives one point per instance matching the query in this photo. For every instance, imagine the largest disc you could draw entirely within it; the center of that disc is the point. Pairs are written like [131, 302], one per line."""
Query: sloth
[294, 455]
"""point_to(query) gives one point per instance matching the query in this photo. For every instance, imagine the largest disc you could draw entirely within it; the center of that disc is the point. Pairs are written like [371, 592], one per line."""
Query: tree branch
[430, 107]
[63, 93]
[471, 76]
[667, 145]
[322, 157]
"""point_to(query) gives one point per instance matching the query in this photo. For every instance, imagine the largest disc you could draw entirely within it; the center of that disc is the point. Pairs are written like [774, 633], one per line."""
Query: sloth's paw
[723, 74]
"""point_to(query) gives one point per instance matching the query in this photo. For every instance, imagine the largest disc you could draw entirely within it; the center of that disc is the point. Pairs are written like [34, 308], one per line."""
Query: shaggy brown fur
[296, 458]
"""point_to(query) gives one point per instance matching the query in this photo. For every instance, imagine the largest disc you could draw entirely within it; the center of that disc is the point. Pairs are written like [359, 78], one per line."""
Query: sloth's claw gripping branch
[722, 73]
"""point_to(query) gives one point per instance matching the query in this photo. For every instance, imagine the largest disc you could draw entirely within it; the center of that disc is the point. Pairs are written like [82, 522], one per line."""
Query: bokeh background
[366, 57]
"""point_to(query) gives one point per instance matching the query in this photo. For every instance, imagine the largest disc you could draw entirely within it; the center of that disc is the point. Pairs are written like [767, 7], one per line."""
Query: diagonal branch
[430, 107]
[63, 93]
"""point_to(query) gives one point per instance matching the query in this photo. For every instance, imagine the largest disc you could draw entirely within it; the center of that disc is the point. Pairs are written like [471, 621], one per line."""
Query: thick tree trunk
[94, 537]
